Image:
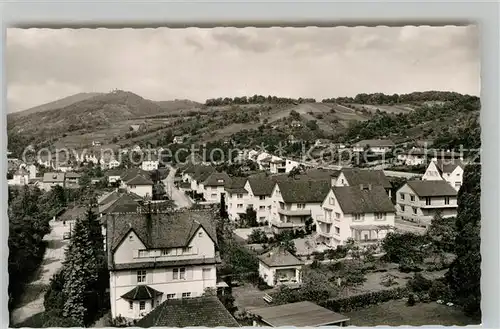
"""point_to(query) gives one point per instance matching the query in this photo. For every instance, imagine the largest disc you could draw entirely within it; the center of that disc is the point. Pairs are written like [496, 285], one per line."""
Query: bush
[419, 284]
[439, 290]
[411, 300]
[319, 256]
[360, 301]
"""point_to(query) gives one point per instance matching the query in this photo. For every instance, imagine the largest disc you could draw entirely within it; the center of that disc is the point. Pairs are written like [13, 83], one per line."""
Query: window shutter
[169, 275]
[149, 277]
[189, 273]
[133, 277]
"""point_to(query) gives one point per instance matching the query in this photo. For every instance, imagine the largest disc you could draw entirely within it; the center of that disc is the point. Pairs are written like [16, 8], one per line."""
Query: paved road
[33, 297]
[180, 199]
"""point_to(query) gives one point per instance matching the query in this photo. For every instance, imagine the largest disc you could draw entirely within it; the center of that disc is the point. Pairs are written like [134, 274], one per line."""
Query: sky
[44, 65]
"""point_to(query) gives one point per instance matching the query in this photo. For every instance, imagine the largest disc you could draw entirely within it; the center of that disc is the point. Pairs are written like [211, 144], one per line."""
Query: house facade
[150, 163]
[296, 201]
[413, 157]
[138, 181]
[365, 215]
[72, 180]
[377, 146]
[450, 170]
[20, 177]
[165, 256]
[50, 180]
[237, 198]
[213, 186]
[358, 177]
[419, 201]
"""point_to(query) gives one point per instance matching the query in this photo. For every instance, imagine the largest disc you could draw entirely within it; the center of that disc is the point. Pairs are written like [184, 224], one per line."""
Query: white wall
[141, 190]
[268, 273]
[455, 179]
[149, 165]
[237, 203]
[212, 193]
[432, 172]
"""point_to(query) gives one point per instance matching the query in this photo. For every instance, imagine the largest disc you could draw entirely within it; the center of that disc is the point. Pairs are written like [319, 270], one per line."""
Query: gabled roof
[279, 256]
[132, 173]
[320, 174]
[200, 172]
[159, 231]
[448, 165]
[141, 292]
[53, 177]
[113, 172]
[125, 203]
[237, 185]
[355, 176]
[217, 179]
[262, 184]
[140, 180]
[424, 188]
[376, 143]
[354, 200]
[189, 312]
[303, 191]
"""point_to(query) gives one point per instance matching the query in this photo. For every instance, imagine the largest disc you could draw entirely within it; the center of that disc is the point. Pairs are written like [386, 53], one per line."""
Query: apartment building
[449, 170]
[213, 186]
[363, 213]
[52, 179]
[357, 177]
[237, 198]
[295, 201]
[420, 200]
[156, 257]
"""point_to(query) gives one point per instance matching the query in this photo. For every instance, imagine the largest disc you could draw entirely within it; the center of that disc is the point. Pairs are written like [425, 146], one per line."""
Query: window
[239, 205]
[240, 196]
[415, 211]
[262, 207]
[262, 197]
[206, 273]
[269, 207]
[130, 305]
[301, 205]
[166, 252]
[143, 253]
[358, 217]
[186, 294]
[200, 234]
[179, 273]
[427, 201]
[380, 216]
[170, 296]
[187, 250]
[402, 196]
[402, 208]
[412, 197]
[131, 237]
[141, 276]
[446, 200]
[337, 215]
[458, 184]
[342, 181]
[213, 195]
[142, 305]
[262, 218]
[337, 230]
[332, 201]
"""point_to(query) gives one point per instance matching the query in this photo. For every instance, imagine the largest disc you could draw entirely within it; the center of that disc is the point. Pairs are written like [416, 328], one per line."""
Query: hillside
[60, 103]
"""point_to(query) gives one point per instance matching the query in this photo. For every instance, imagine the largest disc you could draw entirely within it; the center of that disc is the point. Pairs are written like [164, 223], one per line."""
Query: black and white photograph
[244, 176]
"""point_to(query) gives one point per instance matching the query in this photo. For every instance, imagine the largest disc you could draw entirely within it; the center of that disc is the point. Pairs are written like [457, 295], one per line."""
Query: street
[180, 199]
[32, 300]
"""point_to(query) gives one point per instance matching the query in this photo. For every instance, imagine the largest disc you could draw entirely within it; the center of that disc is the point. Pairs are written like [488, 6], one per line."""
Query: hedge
[355, 302]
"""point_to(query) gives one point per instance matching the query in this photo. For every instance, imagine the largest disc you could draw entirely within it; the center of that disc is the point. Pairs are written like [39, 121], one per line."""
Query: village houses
[150, 162]
[357, 177]
[52, 179]
[420, 200]
[363, 213]
[138, 181]
[377, 146]
[157, 257]
[213, 186]
[279, 267]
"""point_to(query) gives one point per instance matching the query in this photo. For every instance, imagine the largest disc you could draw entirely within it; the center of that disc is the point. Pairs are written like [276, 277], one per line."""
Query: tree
[464, 275]
[80, 272]
[404, 248]
[442, 233]
[257, 236]
[223, 210]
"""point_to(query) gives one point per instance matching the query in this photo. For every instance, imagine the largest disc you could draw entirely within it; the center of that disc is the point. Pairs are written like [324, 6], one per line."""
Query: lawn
[396, 313]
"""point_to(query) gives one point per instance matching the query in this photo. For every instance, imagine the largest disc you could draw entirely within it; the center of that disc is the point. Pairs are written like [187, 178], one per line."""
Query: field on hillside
[384, 108]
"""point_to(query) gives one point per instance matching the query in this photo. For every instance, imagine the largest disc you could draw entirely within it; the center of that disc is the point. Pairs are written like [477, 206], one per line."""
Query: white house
[377, 146]
[159, 257]
[450, 170]
[357, 177]
[413, 157]
[52, 179]
[295, 201]
[32, 170]
[178, 139]
[420, 200]
[150, 162]
[237, 198]
[260, 189]
[113, 175]
[279, 267]
[20, 177]
[277, 165]
[138, 181]
[364, 214]
[96, 143]
[213, 186]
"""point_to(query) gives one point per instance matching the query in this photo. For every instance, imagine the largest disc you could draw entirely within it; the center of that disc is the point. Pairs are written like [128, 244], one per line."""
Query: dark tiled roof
[293, 191]
[354, 200]
[140, 180]
[217, 179]
[142, 292]
[168, 230]
[425, 188]
[376, 143]
[262, 184]
[113, 172]
[320, 174]
[134, 172]
[357, 177]
[448, 165]
[278, 256]
[189, 312]
[300, 314]
[126, 203]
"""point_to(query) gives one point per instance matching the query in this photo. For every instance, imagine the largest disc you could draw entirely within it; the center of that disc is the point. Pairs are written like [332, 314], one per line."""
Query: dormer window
[200, 234]
[220, 181]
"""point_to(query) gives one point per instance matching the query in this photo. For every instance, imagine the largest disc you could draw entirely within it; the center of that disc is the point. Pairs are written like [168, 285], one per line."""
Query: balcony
[296, 212]
[438, 206]
[325, 234]
[324, 219]
[292, 225]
